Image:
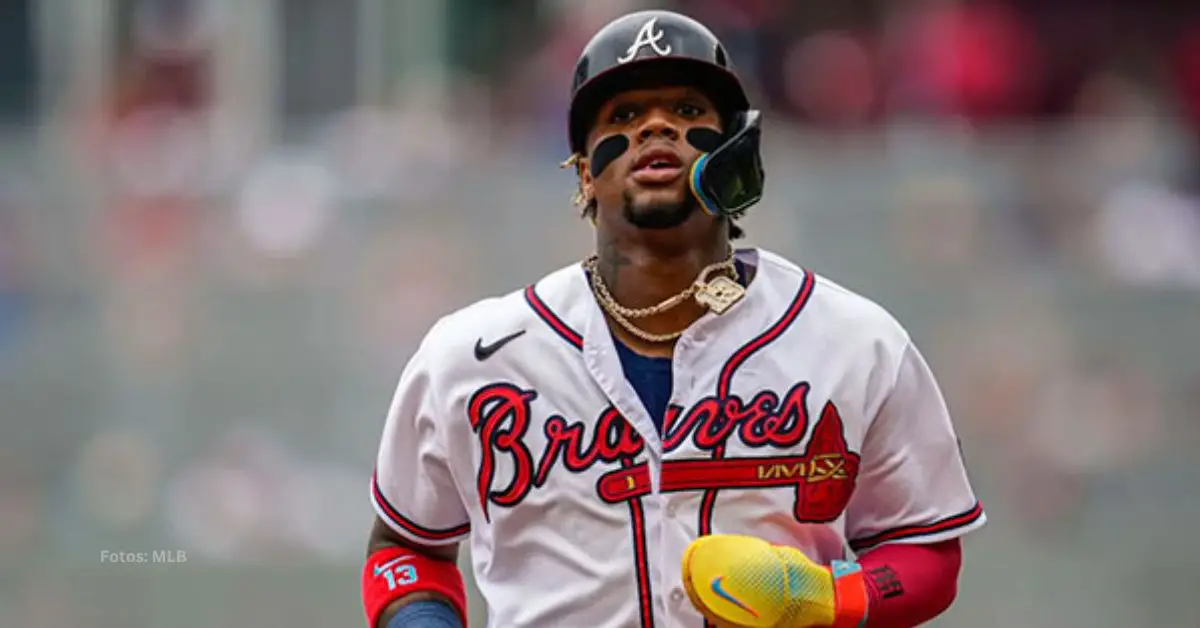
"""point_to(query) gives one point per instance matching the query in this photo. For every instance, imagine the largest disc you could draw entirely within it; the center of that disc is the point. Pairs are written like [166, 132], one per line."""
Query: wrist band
[850, 595]
[394, 572]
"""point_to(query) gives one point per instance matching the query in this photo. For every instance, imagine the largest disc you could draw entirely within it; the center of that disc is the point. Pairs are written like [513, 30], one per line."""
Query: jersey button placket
[684, 390]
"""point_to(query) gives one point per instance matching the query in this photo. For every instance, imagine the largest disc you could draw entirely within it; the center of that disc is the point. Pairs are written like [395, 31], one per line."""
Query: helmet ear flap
[729, 180]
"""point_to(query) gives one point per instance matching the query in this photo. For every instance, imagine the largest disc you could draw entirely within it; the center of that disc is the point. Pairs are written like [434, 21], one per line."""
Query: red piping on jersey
[637, 522]
[960, 520]
[410, 526]
[734, 363]
[709, 500]
[767, 337]
[546, 314]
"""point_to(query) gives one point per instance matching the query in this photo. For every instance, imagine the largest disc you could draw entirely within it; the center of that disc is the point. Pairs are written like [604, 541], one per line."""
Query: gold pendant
[720, 294]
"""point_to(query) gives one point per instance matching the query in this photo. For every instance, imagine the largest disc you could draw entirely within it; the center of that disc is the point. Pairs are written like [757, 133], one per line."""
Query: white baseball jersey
[803, 415]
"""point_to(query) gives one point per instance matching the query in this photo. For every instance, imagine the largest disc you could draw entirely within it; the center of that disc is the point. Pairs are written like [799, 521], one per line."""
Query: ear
[584, 169]
[586, 180]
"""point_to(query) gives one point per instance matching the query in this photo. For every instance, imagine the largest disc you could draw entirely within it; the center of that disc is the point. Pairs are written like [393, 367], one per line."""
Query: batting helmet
[650, 47]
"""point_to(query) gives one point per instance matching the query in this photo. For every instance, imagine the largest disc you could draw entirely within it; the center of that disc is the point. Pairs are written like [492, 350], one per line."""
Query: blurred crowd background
[224, 224]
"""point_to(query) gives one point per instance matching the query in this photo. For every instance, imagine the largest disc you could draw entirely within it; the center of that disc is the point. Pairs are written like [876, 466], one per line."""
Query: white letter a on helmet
[648, 35]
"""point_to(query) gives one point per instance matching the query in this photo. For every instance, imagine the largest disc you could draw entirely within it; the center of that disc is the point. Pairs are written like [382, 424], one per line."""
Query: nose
[656, 124]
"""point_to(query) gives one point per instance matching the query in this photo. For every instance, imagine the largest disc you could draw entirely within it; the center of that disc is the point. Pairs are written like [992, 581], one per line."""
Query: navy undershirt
[651, 376]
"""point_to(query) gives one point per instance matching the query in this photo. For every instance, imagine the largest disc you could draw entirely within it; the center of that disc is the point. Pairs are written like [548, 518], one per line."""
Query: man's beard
[659, 215]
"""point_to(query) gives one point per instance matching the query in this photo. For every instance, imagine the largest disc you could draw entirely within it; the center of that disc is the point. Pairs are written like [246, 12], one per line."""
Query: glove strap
[850, 595]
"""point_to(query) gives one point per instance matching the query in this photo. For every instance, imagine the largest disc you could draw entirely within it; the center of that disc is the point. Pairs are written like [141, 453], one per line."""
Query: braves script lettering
[501, 415]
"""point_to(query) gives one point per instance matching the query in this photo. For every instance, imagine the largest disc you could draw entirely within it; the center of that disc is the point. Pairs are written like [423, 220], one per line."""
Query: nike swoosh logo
[725, 595]
[385, 567]
[483, 352]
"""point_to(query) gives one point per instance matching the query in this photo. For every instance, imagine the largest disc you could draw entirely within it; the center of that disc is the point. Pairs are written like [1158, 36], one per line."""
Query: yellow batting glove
[739, 581]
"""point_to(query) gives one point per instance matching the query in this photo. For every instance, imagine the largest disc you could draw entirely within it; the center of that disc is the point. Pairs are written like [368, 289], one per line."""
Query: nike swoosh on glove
[739, 581]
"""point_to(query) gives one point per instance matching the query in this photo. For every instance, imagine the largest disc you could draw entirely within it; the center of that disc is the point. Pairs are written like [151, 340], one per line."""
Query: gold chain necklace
[718, 295]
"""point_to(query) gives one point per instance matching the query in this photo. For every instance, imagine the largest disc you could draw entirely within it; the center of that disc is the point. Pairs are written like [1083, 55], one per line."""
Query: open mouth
[657, 160]
[657, 167]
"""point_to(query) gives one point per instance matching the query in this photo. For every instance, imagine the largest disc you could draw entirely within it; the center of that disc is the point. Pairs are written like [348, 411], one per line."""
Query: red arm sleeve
[909, 584]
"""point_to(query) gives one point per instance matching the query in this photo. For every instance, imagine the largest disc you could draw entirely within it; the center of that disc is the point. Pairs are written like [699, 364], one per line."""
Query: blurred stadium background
[225, 223]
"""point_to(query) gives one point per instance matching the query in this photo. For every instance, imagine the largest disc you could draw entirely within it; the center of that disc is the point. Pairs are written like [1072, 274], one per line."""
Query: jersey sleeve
[912, 485]
[412, 488]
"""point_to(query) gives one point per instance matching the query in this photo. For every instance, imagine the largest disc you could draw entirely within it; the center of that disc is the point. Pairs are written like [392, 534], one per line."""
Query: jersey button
[677, 596]
[671, 511]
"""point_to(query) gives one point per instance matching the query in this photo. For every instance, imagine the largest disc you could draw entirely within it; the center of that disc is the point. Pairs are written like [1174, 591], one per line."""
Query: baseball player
[673, 432]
